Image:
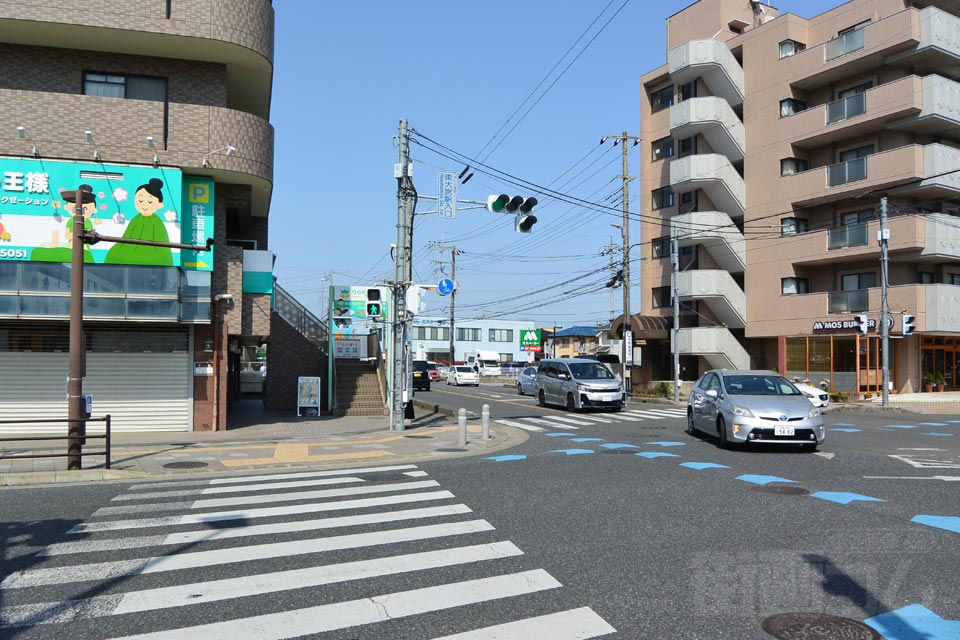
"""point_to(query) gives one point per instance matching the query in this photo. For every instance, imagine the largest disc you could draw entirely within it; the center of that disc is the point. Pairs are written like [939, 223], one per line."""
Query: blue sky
[345, 73]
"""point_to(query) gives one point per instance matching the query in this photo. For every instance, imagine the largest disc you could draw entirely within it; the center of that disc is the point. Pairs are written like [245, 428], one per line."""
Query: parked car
[817, 396]
[578, 383]
[527, 381]
[421, 375]
[742, 407]
[442, 370]
[462, 374]
[433, 371]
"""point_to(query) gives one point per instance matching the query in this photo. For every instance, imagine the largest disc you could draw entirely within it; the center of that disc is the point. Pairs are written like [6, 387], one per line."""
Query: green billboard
[530, 340]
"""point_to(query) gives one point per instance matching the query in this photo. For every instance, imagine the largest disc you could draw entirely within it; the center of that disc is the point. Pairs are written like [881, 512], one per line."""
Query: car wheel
[541, 399]
[519, 389]
[691, 428]
[571, 406]
[722, 433]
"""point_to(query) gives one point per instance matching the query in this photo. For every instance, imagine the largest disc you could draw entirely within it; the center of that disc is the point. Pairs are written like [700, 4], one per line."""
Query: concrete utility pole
[453, 295]
[627, 325]
[883, 235]
[675, 259]
[613, 276]
[401, 278]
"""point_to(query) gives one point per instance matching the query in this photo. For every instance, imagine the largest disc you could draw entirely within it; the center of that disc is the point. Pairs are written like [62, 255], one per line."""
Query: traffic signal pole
[883, 235]
[401, 278]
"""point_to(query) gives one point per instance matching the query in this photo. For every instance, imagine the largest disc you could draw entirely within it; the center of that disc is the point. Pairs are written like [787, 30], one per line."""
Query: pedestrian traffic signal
[373, 309]
[909, 324]
[863, 323]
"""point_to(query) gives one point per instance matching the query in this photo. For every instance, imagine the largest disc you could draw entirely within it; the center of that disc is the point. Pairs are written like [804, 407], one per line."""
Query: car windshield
[488, 363]
[589, 371]
[464, 369]
[759, 385]
[419, 365]
[432, 366]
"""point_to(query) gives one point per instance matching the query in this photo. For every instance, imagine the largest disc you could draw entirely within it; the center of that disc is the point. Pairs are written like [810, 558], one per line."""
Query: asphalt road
[598, 521]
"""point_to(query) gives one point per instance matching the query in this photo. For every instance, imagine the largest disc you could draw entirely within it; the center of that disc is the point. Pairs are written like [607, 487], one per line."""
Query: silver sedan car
[527, 381]
[762, 407]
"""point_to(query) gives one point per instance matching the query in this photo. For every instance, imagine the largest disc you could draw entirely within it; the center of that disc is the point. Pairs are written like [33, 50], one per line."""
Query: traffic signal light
[510, 204]
[863, 323]
[373, 309]
[523, 223]
[909, 324]
[497, 203]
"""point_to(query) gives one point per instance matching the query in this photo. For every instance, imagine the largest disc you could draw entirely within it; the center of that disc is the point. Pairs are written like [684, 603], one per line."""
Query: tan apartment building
[162, 109]
[768, 142]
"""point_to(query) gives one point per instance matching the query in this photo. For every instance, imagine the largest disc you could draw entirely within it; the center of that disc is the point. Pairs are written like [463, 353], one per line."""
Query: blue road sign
[446, 195]
[445, 287]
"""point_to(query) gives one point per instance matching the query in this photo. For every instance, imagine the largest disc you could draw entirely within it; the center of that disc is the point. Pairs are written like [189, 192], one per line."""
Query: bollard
[485, 421]
[462, 426]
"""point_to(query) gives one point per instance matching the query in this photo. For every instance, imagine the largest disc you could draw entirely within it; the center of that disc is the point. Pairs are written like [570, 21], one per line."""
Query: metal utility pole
[883, 235]
[401, 277]
[675, 259]
[627, 325]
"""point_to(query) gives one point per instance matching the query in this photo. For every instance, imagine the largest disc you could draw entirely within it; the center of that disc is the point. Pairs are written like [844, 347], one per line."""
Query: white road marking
[340, 615]
[519, 425]
[673, 413]
[944, 478]
[620, 417]
[918, 449]
[642, 416]
[551, 425]
[592, 418]
[194, 537]
[823, 454]
[416, 474]
[579, 423]
[576, 624]
[265, 512]
[927, 463]
[120, 568]
[275, 476]
[292, 484]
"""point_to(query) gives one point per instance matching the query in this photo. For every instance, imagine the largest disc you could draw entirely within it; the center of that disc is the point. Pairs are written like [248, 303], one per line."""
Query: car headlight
[582, 387]
[619, 387]
[814, 412]
[742, 411]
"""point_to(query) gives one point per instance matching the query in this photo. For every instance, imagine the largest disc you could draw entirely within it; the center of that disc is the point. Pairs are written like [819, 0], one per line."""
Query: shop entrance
[939, 361]
[851, 364]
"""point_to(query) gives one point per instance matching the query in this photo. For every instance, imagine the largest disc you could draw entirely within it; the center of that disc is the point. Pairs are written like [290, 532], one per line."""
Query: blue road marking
[664, 443]
[573, 452]
[762, 479]
[954, 421]
[559, 434]
[656, 454]
[586, 439]
[946, 435]
[507, 458]
[914, 622]
[700, 466]
[844, 424]
[619, 445]
[934, 424]
[901, 426]
[846, 430]
[841, 497]
[949, 523]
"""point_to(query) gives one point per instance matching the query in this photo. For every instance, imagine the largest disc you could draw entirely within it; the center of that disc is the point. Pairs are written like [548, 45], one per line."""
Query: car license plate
[608, 397]
[782, 431]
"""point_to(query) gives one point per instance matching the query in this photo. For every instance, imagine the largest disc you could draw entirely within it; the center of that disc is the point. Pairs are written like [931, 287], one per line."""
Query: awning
[643, 327]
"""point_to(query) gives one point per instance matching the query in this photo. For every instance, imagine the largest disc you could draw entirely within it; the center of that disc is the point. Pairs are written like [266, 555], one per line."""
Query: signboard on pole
[446, 195]
[628, 336]
[531, 341]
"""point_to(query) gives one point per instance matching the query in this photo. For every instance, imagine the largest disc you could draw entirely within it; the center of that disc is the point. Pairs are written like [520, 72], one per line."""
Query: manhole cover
[186, 464]
[420, 437]
[781, 490]
[622, 452]
[449, 450]
[817, 626]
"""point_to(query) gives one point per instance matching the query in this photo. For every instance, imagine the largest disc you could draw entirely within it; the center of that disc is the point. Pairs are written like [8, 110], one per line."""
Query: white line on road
[918, 449]
[595, 419]
[620, 417]
[576, 624]
[340, 615]
[519, 425]
[579, 423]
[179, 493]
[121, 568]
[416, 474]
[551, 425]
[823, 454]
[944, 478]
[275, 476]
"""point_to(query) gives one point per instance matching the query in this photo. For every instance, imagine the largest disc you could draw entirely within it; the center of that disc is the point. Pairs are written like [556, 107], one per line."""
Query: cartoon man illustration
[61, 241]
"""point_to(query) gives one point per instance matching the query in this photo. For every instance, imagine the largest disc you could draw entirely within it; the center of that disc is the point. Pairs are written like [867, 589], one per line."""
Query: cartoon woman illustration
[146, 225]
[57, 252]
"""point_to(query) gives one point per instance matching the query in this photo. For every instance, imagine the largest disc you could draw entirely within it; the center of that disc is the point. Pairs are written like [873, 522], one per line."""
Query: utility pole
[883, 235]
[675, 259]
[401, 277]
[453, 295]
[627, 325]
[613, 276]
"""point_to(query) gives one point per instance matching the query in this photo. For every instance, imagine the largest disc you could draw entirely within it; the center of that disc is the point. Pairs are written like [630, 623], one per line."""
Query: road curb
[434, 408]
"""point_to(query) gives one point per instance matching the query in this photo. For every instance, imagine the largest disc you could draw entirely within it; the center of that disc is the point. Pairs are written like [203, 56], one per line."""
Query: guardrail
[106, 437]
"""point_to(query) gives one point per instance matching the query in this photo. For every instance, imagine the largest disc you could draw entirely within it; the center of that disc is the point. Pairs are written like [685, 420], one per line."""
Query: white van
[486, 362]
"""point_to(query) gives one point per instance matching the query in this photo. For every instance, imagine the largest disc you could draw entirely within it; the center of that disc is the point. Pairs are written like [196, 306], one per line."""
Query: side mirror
[712, 393]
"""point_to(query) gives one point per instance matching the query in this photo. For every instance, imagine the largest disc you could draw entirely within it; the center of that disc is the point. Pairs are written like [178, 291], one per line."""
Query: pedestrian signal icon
[373, 308]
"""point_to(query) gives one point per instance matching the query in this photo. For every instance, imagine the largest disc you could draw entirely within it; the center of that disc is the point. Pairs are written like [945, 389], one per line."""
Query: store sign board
[845, 326]
[531, 341]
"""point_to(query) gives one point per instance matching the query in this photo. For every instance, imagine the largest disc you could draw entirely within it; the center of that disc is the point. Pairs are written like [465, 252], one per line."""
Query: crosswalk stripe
[620, 417]
[519, 425]
[265, 512]
[644, 415]
[579, 423]
[293, 484]
[225, 589]
[340, 615]
[122, 568]
[276, 476]
[576, 624]
[551, 425]
[595, 419]
[270, 497]
[673, 413]
[193, 537]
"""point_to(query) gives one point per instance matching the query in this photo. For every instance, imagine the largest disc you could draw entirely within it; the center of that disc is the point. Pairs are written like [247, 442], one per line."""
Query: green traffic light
[497, 204]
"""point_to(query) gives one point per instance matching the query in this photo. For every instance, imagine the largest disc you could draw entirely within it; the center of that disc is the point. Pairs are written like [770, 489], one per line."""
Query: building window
[501, 335]
[661, 247]
[953, 278]
[688, 146]
[662, 148]
[688, 202]
[431, 333]
[687, 91]
[858, 281]
[790, 48]
[662, 198]
[790, 106]
[661, 297]
[790, 166]
[468, 335]
[661, 99]
[506, 357]
[111, 85]
[793, 286]
[857, 217]
[925, 277]
[793, 226]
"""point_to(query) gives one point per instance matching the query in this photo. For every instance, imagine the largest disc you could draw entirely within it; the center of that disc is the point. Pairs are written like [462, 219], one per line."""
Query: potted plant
[928, 382]
[941, 382]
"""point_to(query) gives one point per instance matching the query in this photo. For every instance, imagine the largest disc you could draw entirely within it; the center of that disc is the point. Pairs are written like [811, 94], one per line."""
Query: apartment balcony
[719, 291]
[713, 118]
[712, 61]
[716, 345]
[237, 35]
[716, 176]
[716, 232]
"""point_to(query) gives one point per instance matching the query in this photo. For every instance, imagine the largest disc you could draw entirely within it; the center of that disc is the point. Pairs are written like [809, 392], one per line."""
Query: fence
[25, 456]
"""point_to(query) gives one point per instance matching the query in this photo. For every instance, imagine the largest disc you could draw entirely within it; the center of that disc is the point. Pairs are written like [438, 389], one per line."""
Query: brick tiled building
[119, 95]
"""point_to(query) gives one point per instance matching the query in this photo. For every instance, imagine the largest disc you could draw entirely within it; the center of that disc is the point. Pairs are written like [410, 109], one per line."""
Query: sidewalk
[258, 441]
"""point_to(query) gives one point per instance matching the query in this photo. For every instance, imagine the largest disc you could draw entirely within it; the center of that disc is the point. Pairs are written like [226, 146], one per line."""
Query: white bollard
[462, 426]
[485, 421]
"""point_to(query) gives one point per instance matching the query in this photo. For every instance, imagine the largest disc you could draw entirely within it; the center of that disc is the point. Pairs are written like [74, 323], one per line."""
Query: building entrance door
[940, 357]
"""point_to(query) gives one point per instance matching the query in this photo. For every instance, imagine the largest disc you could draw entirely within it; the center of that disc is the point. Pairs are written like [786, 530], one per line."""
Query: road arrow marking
[824, 454]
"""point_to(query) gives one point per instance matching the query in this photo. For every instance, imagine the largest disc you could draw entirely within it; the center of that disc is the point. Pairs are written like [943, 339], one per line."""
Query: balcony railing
[846, 107]
[849, 171]
[848, 301]
[309, 325]
[851, 235]
[847, 43]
